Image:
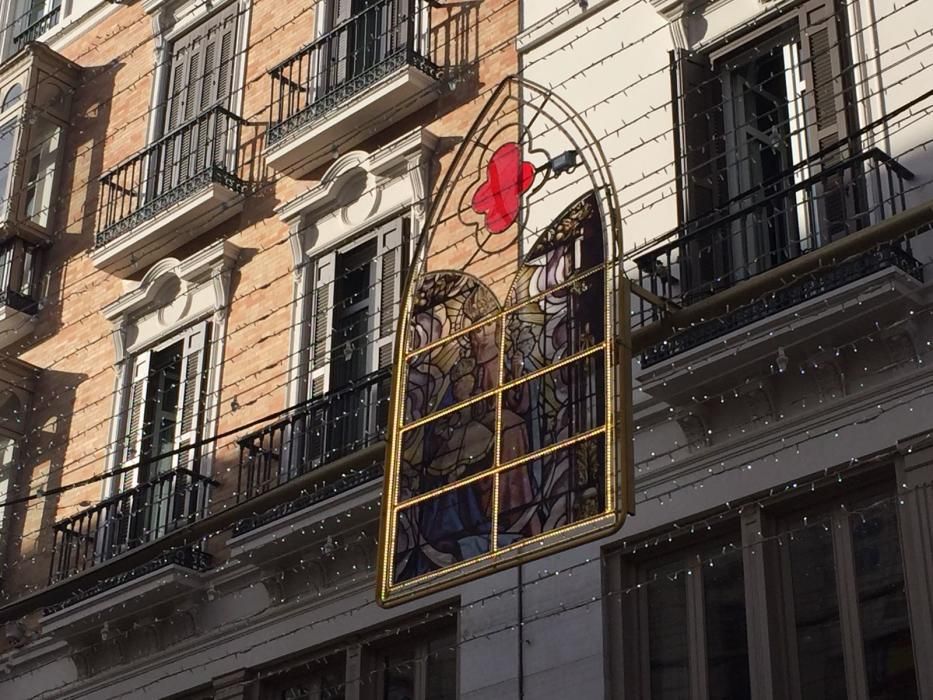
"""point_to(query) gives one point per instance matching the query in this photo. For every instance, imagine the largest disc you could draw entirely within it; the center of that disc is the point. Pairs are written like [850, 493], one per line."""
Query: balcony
[374, 68]
[131, 519]
[34, 27]
[169, 193]
[315, 439]
[763, 229]
[18, 303]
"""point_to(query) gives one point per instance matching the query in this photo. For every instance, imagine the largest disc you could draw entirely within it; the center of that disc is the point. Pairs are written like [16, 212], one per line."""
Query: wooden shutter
[341, 11]
[826, 112]
[135, 427]
[391, 239]
[699, 157]
[200, 77]
[322, 309]
[195, 353]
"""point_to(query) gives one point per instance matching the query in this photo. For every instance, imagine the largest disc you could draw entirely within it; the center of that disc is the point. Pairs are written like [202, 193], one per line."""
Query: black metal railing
[202, 151]
[345, 61]
[19, 301]
[761, 229]
[36, 27]
[128, 520]
[335, 425]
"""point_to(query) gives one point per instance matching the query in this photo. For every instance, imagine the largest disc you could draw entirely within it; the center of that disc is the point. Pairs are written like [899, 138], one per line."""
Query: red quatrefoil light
[508, 177]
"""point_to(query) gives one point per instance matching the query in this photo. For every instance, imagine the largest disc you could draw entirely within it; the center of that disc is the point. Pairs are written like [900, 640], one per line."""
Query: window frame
[768, 597]
[360, 654]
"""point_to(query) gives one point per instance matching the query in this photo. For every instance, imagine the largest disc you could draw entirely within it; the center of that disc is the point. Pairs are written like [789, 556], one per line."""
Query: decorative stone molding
[358, 191]
[695, 427]
[172, 294]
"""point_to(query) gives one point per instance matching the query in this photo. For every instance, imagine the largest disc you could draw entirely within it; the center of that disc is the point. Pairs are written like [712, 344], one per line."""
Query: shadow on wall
[455, 48]
[42, 467]
[82, 167]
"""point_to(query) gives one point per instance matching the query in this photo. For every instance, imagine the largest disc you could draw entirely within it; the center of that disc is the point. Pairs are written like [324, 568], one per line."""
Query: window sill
[828, 313]
[304, 141]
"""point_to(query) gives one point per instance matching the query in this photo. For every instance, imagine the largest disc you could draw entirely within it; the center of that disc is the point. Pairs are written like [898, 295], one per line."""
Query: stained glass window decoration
[509, 433]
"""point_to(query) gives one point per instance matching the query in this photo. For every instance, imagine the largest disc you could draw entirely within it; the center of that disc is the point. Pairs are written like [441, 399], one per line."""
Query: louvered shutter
[200, 77]
[391, 261]
[322, 308]
[340, 58]
[700, 149]
[196, 344]
[136, 428]
[392, 258]
[827, 114]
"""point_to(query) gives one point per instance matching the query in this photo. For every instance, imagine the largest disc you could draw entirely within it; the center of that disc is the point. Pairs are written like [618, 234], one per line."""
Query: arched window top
[503, 439]
[12, 96]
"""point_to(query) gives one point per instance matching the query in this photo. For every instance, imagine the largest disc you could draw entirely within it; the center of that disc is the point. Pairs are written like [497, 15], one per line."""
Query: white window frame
[325, 218]
[203, 295]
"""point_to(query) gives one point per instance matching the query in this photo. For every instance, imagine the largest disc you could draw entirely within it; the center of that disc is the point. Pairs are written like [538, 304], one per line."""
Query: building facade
[209, 211]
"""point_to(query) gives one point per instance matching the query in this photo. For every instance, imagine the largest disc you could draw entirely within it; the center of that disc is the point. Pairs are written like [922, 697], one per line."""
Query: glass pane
[557, 489]
[879, 577]
[552, 407]
[40, 172]
[726, 640]
[667, 635]
[7, 140]
[819, 644]
[441, 681]
[399, 670]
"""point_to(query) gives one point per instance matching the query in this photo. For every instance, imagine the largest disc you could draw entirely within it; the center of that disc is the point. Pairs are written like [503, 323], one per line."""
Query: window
[33, 18]
[832, 597]
[35, 106]
[200, 80]
[165, 405]
[18, 275]
[354, 306]
[420, 664]
[318, 679]
[751, 118]
[363, 34]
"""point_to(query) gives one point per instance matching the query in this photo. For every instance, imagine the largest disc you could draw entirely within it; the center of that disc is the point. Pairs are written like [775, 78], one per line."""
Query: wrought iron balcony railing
[335, 425]
[37, 27]
[128, 520]
[18, 301]
[345, 61]
[766, 227]
[202, 151]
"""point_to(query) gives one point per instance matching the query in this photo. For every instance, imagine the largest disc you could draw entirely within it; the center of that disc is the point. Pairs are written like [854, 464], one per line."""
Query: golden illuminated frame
[509, 433]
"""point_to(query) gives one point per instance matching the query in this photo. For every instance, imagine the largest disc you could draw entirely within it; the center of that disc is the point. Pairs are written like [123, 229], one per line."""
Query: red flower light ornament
[508, 177]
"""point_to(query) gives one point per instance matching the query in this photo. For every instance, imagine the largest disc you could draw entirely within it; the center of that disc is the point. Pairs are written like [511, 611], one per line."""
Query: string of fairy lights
[288, 330]
[607, 595]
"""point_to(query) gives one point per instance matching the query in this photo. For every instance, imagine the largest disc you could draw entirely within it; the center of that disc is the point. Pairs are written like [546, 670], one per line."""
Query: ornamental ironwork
[509, 436]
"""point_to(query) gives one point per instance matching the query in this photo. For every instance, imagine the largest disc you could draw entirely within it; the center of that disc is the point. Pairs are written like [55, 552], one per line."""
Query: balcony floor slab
[306, 147]
[833, 317]
[168, 230]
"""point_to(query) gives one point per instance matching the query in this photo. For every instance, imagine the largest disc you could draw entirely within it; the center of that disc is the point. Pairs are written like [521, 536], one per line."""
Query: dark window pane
[399, 666]
[667, 634]
[7, 138]
[889, 661]
[819, 644]
[726, 640]
[441, 681]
